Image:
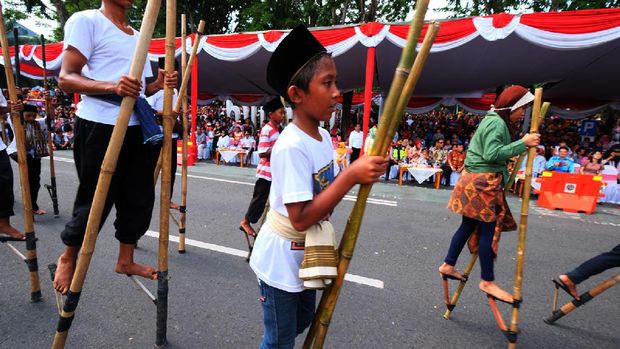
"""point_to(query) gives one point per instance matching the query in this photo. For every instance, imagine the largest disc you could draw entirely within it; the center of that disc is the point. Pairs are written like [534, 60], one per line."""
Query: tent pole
[370, 70]
[194, 101]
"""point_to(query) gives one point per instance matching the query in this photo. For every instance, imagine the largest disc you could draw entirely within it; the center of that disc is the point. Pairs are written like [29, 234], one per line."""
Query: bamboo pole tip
[201, 26]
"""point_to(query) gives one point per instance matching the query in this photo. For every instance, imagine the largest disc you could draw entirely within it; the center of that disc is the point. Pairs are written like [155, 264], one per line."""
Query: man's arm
[71, 80]
[163, 79]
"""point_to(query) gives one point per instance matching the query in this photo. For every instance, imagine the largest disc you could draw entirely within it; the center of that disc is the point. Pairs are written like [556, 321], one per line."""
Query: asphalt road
[394, 301]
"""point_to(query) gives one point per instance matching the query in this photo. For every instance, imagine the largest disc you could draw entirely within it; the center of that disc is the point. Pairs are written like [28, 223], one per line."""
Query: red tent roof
[577, 51]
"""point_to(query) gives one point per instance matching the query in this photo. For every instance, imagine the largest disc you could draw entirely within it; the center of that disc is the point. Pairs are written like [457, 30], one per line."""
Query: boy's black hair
[563, 147]
[304, 76]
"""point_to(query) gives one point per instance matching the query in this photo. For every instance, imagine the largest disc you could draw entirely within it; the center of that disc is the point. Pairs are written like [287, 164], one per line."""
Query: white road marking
[347, 197]
[373, 201]
[240, 253]
[218, 179]
[58, 158]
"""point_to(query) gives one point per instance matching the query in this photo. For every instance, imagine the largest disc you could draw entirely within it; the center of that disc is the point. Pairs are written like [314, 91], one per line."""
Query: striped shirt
[268, 137]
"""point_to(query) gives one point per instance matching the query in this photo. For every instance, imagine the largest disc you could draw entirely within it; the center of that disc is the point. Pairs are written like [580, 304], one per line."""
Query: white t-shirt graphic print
[301, 167]
[109, 52]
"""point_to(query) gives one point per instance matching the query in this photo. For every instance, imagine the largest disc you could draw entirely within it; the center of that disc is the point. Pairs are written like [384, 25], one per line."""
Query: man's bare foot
[65, 268]
[174, 206]
[39, 212]
[448, 270]
[6, 228]
[572, 288]
[142, 270]
[245, 226]
[491, 288]
[126, 265]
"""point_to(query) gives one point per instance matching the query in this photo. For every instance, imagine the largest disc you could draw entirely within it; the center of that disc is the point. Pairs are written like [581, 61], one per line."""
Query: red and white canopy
[577, 51]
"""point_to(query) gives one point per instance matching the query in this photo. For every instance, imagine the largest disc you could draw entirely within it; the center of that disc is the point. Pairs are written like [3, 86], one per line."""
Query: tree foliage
[225, 16]
[460, 8]
[284, 14]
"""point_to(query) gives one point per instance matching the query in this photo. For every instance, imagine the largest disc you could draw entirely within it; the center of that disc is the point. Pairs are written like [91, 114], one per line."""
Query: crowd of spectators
[439, 138]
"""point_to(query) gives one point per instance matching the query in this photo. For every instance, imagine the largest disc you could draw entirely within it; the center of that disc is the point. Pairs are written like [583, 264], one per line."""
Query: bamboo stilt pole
[513, 174]
[584, 298]
[157, 168]
[183, 208]
[105, 177]
[459, 289]
[190, 63]
[20, 139]
[538, 113]
[49, 112]
[168, 121]
[183, 89]
[400, 92]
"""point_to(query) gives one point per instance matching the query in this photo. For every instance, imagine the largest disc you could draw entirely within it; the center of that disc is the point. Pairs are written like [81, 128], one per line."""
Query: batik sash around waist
[481, 196]
[151, 132]
[319, 266]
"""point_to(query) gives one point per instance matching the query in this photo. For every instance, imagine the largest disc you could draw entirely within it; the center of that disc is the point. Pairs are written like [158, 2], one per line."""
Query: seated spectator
[539, 162]
[69, 134]
[248, 143]
[397, 156]
[60, 141]
[561, 162]
[438, 155]
[201, 141]
[594, 165]
[223, 142]
[456, 159]
[237, 135]
[423, 159]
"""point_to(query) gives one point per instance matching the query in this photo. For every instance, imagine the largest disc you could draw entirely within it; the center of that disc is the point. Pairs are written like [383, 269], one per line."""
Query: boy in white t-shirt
[303, 73]
[99, 47]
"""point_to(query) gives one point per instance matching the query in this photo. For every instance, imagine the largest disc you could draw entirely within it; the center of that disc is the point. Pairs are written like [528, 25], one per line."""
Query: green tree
[461, 8]
[274, 14]
[217, 14]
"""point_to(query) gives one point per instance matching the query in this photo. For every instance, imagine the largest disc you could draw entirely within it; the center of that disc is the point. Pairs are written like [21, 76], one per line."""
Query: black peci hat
[272, 105]
[30, 108]
[292, 54]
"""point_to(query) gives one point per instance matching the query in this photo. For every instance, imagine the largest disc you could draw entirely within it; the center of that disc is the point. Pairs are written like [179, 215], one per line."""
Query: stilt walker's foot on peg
[126, 265]
[65, 267]
[7, 229]
[136, 269]
[569, 286]
[495, 292]
[447, 271]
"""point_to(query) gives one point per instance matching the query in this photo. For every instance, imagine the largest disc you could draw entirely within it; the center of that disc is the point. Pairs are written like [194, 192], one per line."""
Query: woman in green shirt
[479, 196]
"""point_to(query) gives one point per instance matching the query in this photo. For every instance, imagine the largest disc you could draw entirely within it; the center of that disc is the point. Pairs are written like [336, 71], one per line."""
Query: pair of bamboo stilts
[405, 78]
[109, 164]
[584, 298]
[107, 170]
[539, 111]
[451, 301]
[20, 139]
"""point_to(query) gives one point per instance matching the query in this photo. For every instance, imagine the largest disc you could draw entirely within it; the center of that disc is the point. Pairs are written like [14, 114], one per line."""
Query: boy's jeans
[285, 315]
